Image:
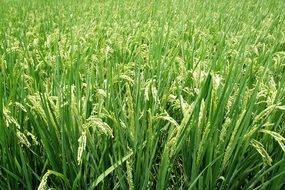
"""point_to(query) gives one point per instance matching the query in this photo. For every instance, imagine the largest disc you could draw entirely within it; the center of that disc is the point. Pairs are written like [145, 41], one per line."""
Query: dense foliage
[152, 94]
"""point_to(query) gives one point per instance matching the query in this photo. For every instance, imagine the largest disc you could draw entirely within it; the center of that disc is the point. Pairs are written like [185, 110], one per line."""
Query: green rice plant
[155, 94]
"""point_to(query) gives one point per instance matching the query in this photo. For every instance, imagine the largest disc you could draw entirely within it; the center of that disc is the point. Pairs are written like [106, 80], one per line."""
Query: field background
[153, 94]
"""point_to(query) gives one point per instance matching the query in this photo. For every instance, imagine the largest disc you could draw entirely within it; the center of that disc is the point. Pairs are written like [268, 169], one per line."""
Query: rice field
[142, 94]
